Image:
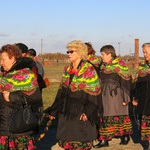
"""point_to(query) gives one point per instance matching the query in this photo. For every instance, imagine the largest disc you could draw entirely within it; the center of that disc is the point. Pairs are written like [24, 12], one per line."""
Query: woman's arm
[12, 97]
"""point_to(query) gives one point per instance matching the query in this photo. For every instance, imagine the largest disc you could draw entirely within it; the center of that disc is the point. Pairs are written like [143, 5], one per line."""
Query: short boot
[146, 145]
[125, 139]
[102, 143]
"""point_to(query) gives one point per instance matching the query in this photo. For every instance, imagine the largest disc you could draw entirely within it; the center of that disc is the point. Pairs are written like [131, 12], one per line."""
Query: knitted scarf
[116, 66]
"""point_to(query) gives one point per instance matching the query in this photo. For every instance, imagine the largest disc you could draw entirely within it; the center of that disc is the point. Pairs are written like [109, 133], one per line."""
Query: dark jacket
[142, 95]
[75, 96]
[35, 100]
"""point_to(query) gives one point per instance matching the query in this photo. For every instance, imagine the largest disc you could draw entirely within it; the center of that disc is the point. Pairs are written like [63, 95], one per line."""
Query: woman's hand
[83, 117]
[124, 104]
[49, 116]
[135, 103]
[6, 95]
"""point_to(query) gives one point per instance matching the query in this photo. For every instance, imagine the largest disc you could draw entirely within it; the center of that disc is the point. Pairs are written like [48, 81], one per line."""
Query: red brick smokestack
[136, 52]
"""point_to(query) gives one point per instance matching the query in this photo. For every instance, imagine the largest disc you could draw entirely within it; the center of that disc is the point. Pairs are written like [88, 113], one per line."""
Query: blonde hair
[80, 47]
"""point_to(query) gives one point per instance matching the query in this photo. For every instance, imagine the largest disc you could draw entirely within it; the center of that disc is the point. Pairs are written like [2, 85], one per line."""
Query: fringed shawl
[95, 60]
[18, 80]
[143, 70]
[85, 78]
[116, 66]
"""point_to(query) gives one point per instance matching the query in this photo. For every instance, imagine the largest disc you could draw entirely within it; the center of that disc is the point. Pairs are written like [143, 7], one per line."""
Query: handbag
[47, 82]
[23, 119]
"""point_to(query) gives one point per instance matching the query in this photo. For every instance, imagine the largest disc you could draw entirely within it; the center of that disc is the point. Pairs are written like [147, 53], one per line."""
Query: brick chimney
[136, 52]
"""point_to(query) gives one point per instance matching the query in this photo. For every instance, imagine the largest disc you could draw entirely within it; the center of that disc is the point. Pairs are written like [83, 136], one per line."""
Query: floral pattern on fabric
[94, 60]
[23, 79]
[115, 126]
[143, 70]
[17, 143]
[85, 78]
[145, 128]
[116, 66]
[75, 145]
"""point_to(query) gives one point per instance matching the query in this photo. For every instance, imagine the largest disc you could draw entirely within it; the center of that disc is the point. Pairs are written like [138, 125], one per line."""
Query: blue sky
[58, 22]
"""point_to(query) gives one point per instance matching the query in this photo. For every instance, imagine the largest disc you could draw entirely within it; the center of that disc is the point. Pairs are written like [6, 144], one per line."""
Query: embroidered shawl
[85, 78]
[116, 66]
[16, 80]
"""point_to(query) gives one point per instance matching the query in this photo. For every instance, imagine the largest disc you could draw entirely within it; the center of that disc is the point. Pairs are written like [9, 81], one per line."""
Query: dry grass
[54, 74]
[49, 94]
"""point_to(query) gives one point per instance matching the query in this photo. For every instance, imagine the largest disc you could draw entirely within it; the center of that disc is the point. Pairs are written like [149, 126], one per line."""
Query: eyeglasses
[71, 51]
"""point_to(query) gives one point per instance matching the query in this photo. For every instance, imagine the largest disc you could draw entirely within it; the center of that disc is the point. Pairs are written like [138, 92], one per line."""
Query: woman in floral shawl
[92, 58]
[116, 82]
[142, 96]
[16, 80]
[78, 101]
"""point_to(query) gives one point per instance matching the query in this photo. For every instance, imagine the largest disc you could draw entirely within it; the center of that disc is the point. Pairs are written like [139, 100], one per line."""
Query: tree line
[53, 56]
[61, 56]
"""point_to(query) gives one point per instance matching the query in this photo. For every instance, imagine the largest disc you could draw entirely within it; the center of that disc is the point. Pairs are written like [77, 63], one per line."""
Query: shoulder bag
[23, 119]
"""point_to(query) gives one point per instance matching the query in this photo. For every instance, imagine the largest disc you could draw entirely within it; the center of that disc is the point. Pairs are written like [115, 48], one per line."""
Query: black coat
[142, 95]
[35, 100]
[69, 105]
[69, 109]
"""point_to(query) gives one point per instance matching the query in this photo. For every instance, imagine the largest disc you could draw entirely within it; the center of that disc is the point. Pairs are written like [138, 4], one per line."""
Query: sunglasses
[71, 51]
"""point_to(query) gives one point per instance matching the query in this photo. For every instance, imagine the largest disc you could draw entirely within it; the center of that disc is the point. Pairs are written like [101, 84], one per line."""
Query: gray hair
[146, 44]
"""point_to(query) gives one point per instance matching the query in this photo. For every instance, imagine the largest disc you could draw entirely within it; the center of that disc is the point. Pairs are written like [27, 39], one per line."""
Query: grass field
[54, 74]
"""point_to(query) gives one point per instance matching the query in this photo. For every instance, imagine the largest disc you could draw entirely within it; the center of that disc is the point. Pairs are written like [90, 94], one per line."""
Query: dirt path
[113, 145]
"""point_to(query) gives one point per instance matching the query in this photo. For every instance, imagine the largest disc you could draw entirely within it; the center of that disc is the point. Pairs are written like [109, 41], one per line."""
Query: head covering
[22, 47]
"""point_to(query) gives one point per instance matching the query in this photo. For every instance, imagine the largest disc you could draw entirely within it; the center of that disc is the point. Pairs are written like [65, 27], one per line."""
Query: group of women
[92, 101]
[94, 95]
